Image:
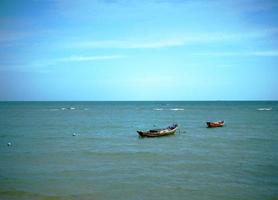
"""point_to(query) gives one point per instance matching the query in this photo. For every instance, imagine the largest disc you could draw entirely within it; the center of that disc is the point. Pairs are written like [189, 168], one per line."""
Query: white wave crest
[264, 109]
[177, 109]
[158, 109]
[69, 108]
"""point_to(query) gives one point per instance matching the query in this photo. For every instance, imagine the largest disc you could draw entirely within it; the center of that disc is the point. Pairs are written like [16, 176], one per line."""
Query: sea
[91, 151]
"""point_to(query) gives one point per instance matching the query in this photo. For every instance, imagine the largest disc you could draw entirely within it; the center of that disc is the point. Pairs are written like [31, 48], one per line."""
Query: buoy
[9, 143]
[74, 134]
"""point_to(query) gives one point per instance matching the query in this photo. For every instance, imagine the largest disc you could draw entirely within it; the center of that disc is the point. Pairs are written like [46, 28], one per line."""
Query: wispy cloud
[88, 58]
[175, 41]
[73, 58]
[128, 44]
[46, 65]
[246, 53]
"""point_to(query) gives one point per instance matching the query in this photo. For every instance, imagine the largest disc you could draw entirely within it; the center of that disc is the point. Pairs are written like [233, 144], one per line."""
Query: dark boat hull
[158, 133]
[215, 124]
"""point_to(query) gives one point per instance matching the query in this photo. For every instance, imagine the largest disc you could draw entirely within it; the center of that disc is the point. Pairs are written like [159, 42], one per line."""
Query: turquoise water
[107, 160]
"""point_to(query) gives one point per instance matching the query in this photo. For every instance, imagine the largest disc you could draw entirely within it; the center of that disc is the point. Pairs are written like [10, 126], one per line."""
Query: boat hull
[158, 133]
[215, 124]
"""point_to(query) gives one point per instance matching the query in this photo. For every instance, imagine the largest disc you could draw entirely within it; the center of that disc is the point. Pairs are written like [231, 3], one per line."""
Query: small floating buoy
[74, 134]
[9, 143]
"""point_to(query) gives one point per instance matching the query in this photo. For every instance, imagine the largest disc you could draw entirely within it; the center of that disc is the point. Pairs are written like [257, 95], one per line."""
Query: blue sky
[139, 50]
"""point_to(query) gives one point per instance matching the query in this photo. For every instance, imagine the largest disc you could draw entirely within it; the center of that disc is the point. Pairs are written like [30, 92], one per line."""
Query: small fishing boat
[215, 124]
[159, 132]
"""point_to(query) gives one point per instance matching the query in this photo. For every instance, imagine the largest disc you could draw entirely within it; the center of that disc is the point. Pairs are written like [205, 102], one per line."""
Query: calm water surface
[107, 160]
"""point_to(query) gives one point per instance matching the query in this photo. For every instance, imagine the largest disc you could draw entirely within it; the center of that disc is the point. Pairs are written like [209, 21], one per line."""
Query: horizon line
[131, 100]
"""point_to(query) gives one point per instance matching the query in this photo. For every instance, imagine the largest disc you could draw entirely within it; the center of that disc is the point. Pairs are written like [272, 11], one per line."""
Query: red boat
[215, 124]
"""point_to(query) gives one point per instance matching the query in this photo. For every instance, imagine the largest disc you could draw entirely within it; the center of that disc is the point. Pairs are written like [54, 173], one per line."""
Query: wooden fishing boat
[159, 132]
[215, 124]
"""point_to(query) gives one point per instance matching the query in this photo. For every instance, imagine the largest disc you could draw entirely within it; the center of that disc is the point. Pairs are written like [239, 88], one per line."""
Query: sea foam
[264, 109]
[176, 109]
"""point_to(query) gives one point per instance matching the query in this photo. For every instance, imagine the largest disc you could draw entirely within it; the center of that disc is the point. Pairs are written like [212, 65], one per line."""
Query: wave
[66, 108]
[264, 109]
[176, 109]
[53, 109]
[69, 108]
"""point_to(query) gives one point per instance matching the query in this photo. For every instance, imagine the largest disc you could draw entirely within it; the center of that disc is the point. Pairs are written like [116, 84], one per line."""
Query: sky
[94, 50]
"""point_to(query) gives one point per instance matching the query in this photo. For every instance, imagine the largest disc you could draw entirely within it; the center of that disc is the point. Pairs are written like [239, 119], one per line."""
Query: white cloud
[44, 64]
[88, 58]
[175, 41]
[128, 44]
[246, 53]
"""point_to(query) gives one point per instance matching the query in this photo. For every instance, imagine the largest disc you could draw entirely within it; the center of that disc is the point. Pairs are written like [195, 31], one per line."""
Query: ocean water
[90, 150]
